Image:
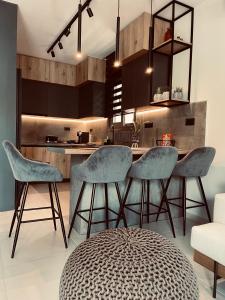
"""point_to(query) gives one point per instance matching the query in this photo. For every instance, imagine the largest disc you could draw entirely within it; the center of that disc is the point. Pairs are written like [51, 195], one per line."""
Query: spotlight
[60, 45]
[67, 32]
[90, 12]
[149, 70]
[52, 53]
[117, 64]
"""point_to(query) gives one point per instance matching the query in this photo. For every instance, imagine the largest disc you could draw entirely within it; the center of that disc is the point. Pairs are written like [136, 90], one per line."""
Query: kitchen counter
[89, 150]
[78, 155]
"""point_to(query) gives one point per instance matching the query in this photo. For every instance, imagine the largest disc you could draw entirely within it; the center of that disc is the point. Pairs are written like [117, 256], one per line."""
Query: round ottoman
[128, 264]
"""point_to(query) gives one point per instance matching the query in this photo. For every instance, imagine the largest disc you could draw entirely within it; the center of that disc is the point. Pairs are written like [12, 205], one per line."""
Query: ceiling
[40, 21]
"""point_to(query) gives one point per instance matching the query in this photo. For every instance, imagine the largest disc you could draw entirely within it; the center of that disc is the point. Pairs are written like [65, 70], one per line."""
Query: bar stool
[156, 164]
[27, 171]
[108, 164]
[195, 164]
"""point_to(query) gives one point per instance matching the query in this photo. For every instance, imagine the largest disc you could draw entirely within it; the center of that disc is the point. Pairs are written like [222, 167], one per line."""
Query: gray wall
[8, 28]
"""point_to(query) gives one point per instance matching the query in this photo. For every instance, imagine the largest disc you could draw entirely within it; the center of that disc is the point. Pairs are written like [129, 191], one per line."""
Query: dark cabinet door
[48, 99]
[92, 100]
[34, 97]
[136, 83]
[62, 101]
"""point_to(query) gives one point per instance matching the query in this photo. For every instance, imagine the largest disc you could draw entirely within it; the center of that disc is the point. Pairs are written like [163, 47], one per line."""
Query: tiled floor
[35, 271]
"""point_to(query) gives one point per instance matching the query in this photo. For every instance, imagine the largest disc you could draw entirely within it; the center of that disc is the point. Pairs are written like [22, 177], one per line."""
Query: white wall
[208, 83]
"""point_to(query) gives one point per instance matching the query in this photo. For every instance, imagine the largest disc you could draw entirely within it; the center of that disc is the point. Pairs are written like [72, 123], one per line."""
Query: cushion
[209, 239]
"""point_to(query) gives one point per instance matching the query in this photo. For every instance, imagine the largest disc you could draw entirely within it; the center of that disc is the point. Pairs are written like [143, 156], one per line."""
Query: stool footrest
[163, 210]
[38, 220]
[94, 209]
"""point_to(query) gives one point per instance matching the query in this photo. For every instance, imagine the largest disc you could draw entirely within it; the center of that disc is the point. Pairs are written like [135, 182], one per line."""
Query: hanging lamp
[117, 62]
[149, 69]
[79, 53]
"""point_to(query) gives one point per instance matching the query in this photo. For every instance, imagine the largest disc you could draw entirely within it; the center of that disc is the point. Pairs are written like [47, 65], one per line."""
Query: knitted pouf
[129, 264]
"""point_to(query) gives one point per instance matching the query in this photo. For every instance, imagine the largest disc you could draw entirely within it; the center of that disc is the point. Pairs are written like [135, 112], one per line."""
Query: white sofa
[209, 239]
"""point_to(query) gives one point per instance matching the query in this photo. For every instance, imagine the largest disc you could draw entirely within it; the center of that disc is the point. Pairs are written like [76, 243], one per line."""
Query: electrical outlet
[190, 122]
[148, 125]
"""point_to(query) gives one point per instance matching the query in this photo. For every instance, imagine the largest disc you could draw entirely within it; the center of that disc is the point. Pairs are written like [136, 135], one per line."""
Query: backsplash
[166, 120]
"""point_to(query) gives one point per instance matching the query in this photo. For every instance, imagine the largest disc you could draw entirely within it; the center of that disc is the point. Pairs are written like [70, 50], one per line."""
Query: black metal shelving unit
[172, 47]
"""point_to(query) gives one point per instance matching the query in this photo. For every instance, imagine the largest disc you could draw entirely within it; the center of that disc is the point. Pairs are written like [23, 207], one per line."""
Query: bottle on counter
[91, 136]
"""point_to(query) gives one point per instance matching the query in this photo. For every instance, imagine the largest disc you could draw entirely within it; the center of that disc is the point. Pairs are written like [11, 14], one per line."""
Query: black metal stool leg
[16, 209]
[142, 202]
[215, 278]
[168, 206]
[148, 200]
[120, 202]
[91, 210]
[20, 219]
[106, 206]
[204, 198]
[60, 213]
[121, 211]
[184, 204]
[77, 207]
[161, 203]
[52, 204]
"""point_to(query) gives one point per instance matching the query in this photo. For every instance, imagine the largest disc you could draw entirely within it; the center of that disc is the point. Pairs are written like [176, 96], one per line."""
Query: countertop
[90, 150]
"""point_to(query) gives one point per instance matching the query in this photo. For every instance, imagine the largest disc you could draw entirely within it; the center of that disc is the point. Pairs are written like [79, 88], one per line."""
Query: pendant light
[117, 62]
[149, 69]
[79, 53]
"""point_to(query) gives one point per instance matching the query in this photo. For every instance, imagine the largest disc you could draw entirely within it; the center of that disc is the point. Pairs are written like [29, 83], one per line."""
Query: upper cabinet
[45, 70]
[92, 100]
[134, 38]
[90, 69]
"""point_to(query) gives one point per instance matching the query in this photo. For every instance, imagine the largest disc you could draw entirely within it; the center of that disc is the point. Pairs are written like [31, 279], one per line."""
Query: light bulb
[149, 70]
[79, 55]
[117, 64]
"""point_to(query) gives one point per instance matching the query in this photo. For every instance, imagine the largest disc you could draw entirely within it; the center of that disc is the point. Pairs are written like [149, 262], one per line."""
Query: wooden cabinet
[91, 69]
[59, 160]
[134, 38]
[92, 100]
[47, 99]
[45, 70]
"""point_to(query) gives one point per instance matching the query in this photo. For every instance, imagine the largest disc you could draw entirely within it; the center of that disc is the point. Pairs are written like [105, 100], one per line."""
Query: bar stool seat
[27, 171]
[195, 164]
[108, 164]
[156, 164]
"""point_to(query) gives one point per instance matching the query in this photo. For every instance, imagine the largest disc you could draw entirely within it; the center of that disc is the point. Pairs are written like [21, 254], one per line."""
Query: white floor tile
[40, 254]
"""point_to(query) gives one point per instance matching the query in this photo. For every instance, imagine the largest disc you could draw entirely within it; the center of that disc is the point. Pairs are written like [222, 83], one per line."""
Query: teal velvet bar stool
[156, 164]
[195, 164]
[107, 165]
[27, 171]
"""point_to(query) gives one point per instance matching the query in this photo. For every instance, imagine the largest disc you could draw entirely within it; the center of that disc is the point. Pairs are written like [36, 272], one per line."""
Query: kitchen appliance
[83, 137]
[51, 139]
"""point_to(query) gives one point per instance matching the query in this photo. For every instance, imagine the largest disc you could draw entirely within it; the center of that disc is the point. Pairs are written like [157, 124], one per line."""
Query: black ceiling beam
[68, 26]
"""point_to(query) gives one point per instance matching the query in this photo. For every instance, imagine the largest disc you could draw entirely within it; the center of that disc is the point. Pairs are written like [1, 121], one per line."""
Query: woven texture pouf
[129, 264]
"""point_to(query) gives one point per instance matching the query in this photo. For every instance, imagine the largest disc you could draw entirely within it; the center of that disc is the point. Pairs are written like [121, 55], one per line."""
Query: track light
[90, 12]
[149, 70]
[117, 62]
[52, 53]
[60, 45]
[67, 32]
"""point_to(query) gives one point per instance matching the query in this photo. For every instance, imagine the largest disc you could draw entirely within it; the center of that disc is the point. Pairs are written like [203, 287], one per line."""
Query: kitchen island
[78, 155]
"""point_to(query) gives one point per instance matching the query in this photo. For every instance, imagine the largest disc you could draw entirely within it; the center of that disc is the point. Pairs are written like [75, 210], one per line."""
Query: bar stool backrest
[157, 163]
[108, 164]
[196, 163]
